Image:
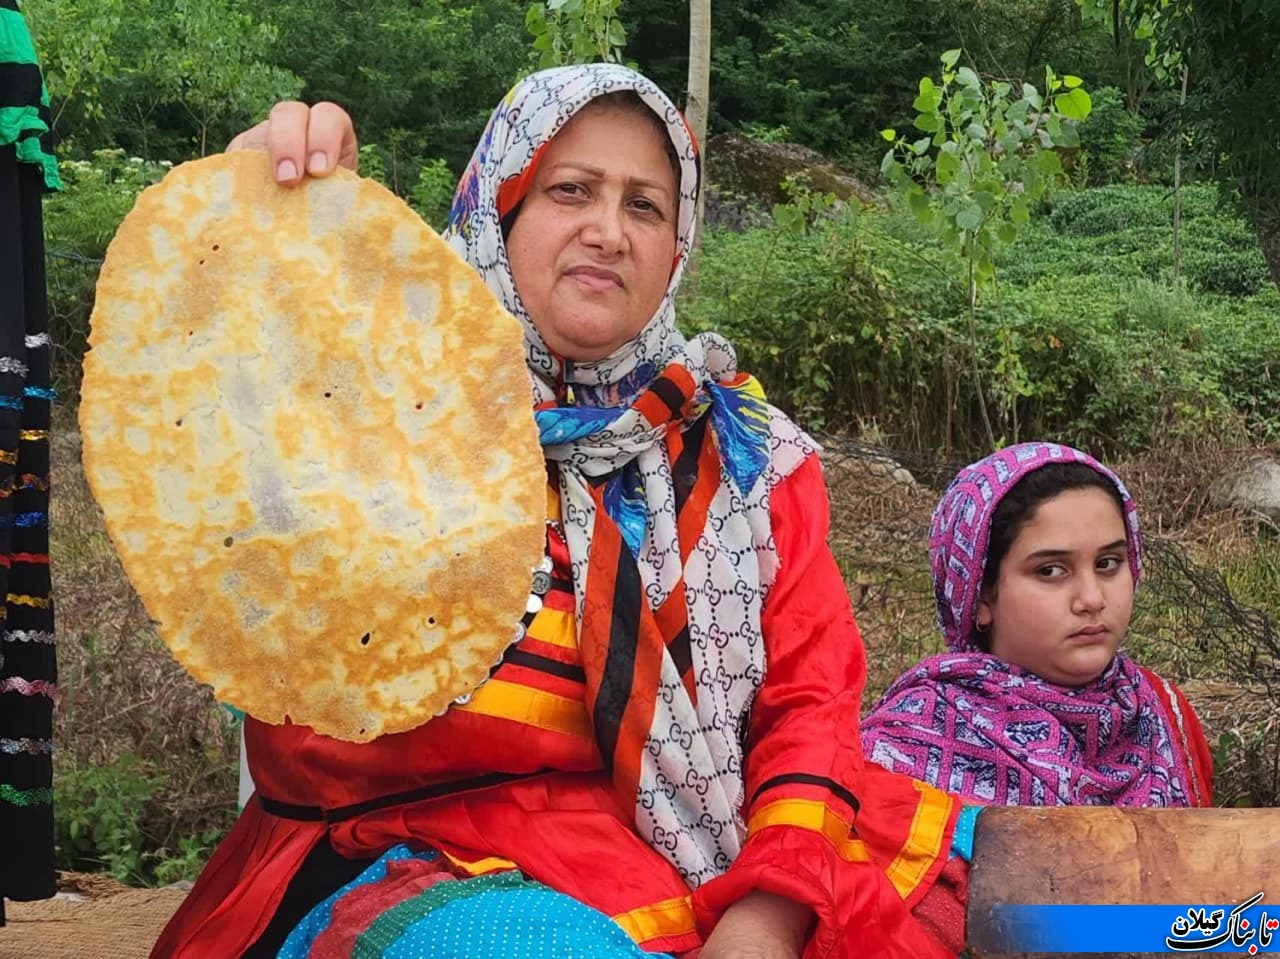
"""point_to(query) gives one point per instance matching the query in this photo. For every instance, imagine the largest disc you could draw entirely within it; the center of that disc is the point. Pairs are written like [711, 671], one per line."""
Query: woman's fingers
[254, 138]
[287, 140]
[331, 140]
[303, 140]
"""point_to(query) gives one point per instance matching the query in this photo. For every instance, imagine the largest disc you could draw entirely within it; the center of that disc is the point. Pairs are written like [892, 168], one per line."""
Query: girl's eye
[1109, 563]
[1051, 571]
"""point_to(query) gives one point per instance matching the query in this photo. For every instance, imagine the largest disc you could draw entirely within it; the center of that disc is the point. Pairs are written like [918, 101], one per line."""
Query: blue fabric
[565, 424]
[962, 840]
[740, 417]
[625, 505]
[299, 941]
[530, 921]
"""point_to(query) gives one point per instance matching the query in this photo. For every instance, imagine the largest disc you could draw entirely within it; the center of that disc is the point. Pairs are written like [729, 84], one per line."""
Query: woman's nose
[605, 228]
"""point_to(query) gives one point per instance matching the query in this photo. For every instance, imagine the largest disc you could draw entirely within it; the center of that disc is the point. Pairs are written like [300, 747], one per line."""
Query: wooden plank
[1110, 856]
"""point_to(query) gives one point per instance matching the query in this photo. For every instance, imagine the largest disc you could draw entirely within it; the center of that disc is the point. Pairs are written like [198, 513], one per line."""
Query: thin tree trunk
[973, 347]
[1177, 181]
[1259, 179]
[698, 106]
[1266, 224]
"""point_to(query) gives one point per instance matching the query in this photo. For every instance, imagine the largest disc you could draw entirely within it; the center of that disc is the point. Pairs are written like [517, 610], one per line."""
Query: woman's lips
[595, 279]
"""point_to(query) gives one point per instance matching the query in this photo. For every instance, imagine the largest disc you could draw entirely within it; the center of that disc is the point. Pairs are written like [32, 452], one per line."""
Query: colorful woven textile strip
[28, 674]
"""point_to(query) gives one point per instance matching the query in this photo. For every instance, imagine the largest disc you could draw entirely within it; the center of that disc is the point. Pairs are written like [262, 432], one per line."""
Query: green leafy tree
[76, 42]
[982, 156]
[1230, 51]
[118, 65]
[576, 31]
[216, 62]
[420, 79]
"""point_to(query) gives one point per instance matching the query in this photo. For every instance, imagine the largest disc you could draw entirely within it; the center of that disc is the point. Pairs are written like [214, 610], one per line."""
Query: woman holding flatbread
[667, 759]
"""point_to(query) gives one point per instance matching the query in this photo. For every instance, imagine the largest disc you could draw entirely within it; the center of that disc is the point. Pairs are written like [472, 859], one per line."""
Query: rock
[868, 467]
[903, 476]
[1256, 488]
[755, 170]
[734, 212]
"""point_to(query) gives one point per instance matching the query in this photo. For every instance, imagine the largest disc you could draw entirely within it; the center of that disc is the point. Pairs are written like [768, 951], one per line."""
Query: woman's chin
[582, 343]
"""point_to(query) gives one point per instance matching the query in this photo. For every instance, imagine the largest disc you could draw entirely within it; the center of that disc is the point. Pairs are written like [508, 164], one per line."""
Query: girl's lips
[1090, 634]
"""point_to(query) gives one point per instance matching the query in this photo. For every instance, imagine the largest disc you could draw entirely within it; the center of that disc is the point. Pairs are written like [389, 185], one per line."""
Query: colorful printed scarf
[970, 723]
[665, 458]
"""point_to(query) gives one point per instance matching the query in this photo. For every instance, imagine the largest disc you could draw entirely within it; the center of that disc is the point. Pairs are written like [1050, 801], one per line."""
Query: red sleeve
[804, 765]
[1190, 735]
[1199, 756]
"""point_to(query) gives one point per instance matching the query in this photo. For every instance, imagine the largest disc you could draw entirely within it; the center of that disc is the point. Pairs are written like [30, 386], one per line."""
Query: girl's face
[1064, 595]
[591, 250]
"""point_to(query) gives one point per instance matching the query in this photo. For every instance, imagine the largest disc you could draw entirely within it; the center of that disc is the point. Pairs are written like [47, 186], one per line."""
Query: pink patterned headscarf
[970, 723]
[961, 529]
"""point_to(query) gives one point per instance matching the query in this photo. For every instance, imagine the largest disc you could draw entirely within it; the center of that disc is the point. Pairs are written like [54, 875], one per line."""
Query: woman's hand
[303, 140]
[760, 926]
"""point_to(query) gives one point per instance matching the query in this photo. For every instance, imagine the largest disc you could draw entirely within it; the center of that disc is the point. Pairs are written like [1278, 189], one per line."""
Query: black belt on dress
[284, 810]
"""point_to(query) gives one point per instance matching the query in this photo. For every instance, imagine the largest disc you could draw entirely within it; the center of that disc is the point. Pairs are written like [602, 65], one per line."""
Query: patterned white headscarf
[669, 710]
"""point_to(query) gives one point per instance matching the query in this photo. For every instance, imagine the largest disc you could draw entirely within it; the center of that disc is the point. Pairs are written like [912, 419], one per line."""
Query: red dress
[514, 777]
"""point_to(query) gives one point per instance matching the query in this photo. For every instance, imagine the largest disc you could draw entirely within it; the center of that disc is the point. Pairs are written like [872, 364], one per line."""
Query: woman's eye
[1109, 563]
[568, 189]
[645, 205]
[1051, 571]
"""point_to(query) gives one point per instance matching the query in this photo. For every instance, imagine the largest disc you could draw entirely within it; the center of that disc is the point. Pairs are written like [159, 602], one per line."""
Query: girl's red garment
[1191, 741]
[520, 783]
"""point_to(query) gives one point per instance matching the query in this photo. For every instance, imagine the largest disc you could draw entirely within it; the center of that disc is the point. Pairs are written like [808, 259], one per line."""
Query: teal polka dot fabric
[299, 942]
[499, 916]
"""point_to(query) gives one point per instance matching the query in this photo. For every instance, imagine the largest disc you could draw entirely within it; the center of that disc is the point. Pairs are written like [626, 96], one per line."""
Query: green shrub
[1109, 140]
[1128, 231]
[818, 316]
[99, 811]
[855, 324]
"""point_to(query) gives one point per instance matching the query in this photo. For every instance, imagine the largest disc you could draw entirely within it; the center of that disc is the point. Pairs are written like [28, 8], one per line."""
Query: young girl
[1036, 553]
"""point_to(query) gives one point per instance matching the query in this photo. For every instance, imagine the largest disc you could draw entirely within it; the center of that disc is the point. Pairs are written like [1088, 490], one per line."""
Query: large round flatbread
[308, 424]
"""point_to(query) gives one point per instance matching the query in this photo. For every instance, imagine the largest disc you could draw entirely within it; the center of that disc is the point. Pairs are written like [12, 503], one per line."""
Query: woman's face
[592, 247]
[1064, 596]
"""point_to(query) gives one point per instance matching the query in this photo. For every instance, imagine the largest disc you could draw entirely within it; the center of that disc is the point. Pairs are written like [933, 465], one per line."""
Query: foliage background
[1095, 332]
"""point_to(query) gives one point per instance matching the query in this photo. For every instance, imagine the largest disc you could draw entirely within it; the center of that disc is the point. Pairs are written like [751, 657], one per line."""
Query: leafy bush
[99, 814]
[1128, 231]
[854, 324]
[1109, 139]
